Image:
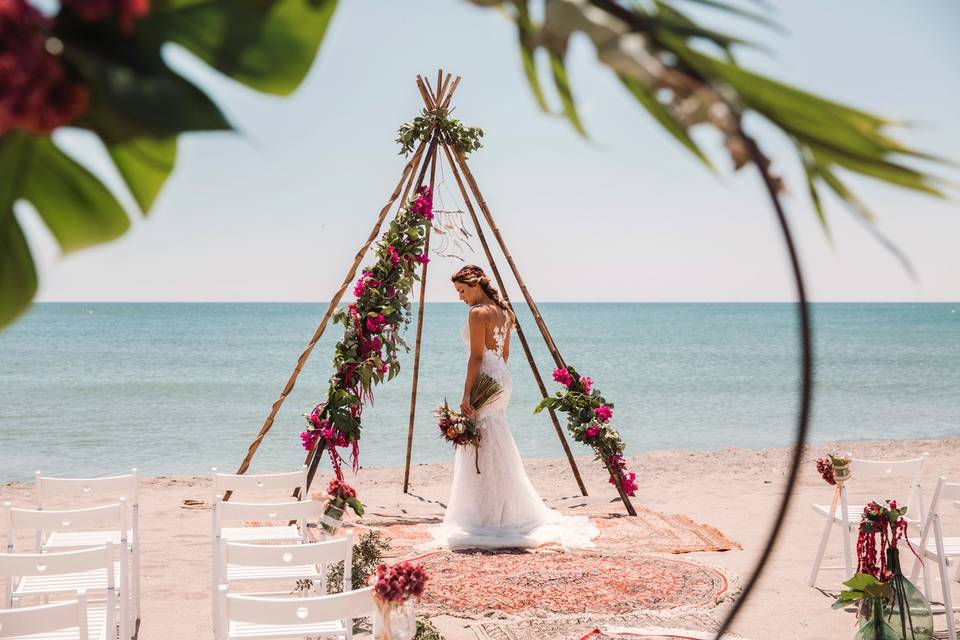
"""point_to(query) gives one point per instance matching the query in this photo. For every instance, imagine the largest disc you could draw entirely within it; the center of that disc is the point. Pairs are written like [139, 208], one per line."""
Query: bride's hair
[474, 275]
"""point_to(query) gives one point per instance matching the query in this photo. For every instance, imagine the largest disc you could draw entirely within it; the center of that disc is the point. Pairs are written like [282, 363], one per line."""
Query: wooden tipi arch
[414, 173]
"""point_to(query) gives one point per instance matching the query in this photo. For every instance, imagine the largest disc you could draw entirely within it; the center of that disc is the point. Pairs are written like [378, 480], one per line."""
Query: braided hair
[472, 275]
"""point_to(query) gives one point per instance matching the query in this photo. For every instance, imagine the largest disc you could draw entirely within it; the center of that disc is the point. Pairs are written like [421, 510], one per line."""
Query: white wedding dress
[499, 507]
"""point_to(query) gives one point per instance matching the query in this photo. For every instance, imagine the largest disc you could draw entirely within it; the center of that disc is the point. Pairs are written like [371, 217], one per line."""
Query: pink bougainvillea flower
[586, 383]
[394, 256]
[592, 431]
[603, 413]
[422, 258]
[563, 377]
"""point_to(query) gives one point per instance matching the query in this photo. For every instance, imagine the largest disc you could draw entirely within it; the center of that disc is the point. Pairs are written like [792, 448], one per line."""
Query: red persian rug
[470, 584]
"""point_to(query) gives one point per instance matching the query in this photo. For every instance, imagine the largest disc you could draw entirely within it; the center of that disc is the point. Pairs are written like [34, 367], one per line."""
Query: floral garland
[588, 420]
[464, 139]
[367, 354]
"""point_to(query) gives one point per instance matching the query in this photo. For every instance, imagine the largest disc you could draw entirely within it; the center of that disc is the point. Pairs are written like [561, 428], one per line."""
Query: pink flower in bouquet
[603, 413]
[592, 431]
[422, 258]
[586, 383]
[365, 281]
[373, 345]
[309, 439]
[399, 582]
[629, 483]
[563, 377]
[375, 322]
[394, 256]
[341, 490]
[391, 291]
[423, 204]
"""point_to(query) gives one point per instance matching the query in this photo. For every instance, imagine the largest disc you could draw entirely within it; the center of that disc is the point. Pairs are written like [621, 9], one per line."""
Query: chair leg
[845, 527]
[824, 537]
[944, 579]
[927, 580]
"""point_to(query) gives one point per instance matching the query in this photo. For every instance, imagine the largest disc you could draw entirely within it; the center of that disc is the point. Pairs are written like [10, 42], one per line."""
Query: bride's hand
[466, 408]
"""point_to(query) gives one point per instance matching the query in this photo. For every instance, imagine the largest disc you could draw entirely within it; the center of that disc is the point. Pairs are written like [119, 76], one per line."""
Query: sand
[734, 490]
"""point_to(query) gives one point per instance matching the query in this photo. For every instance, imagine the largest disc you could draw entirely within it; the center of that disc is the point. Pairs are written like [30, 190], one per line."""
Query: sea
[178, 388]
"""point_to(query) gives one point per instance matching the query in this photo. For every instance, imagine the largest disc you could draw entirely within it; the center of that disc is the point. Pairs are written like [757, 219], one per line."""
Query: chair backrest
[888, 468]
[266, 511]
[107, 515]
[19, 565]
[280, 555]
[113, 487]
[297, 611]
[46, 618]
[260, 482]
[911, 470]
[14, 566]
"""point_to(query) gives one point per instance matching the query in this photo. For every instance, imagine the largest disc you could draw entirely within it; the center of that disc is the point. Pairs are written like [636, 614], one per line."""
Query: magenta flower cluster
[423, 205]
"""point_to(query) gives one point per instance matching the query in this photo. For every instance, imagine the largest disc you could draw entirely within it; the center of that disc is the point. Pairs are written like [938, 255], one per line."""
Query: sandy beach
[734, 491]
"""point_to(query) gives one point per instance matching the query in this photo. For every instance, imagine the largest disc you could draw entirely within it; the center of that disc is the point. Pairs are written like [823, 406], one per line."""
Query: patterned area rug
[536, 584]
[649, 532]
[676, 624]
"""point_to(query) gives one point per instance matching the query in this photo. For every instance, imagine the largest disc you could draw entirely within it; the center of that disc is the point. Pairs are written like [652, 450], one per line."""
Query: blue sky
[276, 211]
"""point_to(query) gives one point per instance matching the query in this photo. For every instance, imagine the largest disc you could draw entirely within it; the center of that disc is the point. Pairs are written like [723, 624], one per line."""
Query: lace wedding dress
[499, 507]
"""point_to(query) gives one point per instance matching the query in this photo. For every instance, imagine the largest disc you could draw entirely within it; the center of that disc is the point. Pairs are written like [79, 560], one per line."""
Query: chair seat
[96, 628]
[74, 539]
[260, 534]
[250, 630]
[239, 573]
[951, 546]
[95, 580]
[854, 511]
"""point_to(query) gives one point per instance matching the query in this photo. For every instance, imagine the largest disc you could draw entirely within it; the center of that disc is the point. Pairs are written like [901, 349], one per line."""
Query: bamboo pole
[305, 355]
[551, 346]
[416, 353]
[523, 339]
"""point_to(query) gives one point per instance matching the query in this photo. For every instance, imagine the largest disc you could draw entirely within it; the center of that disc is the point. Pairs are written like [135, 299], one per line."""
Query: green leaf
[662, 115]
[811, 173]
[860, 581]
[132, 101]
[880, 169]
[562, 83]
[18, 277]
[144, 164]
[525, 33]
[76, 207]
[738, 11]
[268, 46]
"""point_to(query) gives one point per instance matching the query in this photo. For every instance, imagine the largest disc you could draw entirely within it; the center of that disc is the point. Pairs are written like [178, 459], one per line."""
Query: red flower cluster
[35, 93]
[340, 490]
[563, 377]
[127, 12]
[400, 582]
[887, 523]
[825, 469]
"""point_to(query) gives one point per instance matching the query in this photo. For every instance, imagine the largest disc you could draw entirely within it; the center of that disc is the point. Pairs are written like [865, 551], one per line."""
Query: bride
[498, 507]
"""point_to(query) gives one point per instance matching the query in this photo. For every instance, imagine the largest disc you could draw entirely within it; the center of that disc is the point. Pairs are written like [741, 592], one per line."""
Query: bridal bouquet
[461, 430]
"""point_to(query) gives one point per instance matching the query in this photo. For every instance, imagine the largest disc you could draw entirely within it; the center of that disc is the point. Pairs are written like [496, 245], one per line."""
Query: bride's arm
[477, 344]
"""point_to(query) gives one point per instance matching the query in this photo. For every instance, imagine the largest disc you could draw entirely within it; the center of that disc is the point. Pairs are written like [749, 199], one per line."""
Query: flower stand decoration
[395, 590]
[340, 496]
[891, 607]
[588, 420]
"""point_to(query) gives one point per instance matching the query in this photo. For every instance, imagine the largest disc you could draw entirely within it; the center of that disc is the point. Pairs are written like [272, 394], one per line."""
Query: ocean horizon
[179, 387]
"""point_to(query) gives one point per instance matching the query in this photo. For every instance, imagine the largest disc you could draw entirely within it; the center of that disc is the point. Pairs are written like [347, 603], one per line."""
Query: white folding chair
[97, 490]
[243, 616]
[255, 485]
[93, 570]
[107, 517]
[60, 621]
[260, 562]
[940, 550]
[290, 534]
[847, 516]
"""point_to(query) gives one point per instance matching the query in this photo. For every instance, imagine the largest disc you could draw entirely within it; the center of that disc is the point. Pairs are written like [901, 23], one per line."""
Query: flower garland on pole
[589, 418]
[367, 354]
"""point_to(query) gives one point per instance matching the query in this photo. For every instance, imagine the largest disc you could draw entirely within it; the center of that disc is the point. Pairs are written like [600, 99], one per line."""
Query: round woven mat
[537, 583]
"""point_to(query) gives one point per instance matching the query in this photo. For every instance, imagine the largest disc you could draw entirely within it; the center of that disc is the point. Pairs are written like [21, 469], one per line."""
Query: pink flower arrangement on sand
[588, 419]
[400, 582]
